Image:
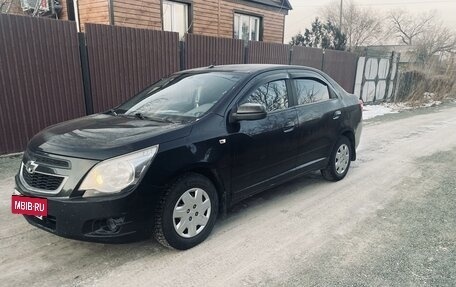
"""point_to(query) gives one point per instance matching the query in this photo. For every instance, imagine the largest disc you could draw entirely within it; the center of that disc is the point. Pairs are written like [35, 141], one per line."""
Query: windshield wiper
[155, 119]
[112, 112]
[161, 120]
[140, 116]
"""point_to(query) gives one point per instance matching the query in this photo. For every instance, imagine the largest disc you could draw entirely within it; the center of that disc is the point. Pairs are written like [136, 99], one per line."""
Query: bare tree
[272, 95]
[11, 7]
[428, 35]
[362, 25]
[407, 27]
[5, 5]
[437, 39]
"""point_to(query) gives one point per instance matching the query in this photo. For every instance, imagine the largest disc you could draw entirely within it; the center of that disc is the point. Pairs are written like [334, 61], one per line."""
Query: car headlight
[115, 174]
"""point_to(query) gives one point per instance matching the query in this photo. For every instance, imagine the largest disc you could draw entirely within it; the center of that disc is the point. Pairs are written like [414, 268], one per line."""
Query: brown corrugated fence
[268, 53]
[304, 56]
[123, 61]
[201, 51]
[341, 66]
[40, 77]
[49, 73]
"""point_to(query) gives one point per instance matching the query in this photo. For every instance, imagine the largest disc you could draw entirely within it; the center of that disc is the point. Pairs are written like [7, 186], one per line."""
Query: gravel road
[390, 222]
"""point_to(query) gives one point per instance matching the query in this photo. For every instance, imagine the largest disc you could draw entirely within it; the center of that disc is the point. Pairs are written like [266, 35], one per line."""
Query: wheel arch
[351, 137]
[212, 174]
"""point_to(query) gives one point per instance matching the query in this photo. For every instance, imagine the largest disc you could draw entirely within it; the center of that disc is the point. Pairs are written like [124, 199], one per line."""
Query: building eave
[285, 4]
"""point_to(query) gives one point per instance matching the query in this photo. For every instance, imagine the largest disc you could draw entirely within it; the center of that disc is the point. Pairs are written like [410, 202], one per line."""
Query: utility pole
[340, 15]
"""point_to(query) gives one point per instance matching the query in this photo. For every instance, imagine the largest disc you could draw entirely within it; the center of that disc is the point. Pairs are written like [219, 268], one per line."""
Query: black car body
[241, 145]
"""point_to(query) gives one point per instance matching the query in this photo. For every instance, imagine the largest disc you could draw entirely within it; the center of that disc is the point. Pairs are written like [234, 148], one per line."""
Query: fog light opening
[114, 224]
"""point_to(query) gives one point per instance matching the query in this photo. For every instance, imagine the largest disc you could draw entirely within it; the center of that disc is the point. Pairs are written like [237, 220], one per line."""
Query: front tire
[187, 212]
[339, 161]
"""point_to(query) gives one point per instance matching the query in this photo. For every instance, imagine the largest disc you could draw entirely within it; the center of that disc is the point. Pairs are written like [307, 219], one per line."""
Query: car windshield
[180, 97]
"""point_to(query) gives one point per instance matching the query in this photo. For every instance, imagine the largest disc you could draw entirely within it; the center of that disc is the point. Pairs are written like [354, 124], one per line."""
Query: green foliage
[321, 35]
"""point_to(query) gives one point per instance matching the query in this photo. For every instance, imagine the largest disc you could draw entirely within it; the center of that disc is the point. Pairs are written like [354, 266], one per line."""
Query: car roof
[249, 68]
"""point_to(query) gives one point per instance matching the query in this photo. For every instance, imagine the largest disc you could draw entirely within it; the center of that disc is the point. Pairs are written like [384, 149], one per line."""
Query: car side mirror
[248, 112]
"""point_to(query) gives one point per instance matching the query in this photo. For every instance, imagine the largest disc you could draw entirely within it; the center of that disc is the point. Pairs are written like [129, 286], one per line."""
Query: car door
[264, 150]
[319, 113]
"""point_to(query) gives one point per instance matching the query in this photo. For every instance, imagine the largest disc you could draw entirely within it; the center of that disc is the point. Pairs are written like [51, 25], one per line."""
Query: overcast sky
[305, 11]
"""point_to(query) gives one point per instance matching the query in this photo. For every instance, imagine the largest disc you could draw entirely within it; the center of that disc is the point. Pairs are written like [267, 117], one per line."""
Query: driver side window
[272, 95]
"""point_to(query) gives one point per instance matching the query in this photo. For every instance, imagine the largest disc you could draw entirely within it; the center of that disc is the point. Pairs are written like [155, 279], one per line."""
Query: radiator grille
[42, 181]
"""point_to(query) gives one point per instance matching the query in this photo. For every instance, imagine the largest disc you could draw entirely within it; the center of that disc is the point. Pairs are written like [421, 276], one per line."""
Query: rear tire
[187, 212]
[339, 161]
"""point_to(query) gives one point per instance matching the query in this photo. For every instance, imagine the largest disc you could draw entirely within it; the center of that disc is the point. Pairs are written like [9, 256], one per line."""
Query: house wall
[209, 17]
[138, 14]
[219, 21]
[64, 13]
[93, 11]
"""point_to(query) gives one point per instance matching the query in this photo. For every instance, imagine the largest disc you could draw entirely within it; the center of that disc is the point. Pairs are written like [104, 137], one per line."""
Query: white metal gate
[376, 78]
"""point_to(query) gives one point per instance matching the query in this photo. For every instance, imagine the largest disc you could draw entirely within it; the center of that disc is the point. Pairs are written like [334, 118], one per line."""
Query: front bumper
[93, 219]
[72, 216]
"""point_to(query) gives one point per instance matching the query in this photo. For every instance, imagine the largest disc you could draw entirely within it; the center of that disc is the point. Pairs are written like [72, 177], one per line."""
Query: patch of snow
[372, 111]
[431, 104]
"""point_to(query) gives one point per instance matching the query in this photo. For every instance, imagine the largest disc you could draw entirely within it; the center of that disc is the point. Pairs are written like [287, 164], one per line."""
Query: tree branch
[3, 3]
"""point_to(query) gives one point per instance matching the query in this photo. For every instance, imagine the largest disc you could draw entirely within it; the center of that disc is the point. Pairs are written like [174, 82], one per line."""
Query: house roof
[283, 4]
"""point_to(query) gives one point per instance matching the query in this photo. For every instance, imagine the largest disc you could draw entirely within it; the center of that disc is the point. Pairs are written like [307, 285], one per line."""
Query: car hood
[104, 136]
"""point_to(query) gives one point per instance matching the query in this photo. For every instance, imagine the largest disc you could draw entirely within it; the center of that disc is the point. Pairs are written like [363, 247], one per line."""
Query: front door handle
[337, 115]
[289, 127]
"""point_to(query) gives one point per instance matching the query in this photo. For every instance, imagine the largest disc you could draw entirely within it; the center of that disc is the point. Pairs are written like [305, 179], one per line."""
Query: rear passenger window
[272, 95]
[310, 91]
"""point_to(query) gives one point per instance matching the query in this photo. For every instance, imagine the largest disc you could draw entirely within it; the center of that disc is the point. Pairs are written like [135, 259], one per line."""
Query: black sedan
[173, 157]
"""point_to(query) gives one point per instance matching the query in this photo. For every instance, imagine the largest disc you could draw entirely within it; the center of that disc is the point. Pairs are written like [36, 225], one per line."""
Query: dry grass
[418, 87]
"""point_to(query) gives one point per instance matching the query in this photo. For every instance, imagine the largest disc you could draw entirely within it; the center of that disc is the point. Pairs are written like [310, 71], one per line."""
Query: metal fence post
[397, 77]
[182, 58]
[246, 52]
[290, 55]
[323, 60]
[85, 74]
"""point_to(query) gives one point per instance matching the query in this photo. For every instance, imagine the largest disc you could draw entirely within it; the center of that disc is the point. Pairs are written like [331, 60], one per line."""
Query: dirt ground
[391, 222]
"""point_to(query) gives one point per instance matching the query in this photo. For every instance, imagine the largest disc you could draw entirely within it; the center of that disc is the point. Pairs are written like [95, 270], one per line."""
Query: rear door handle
[337, 115]
[289, 127]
